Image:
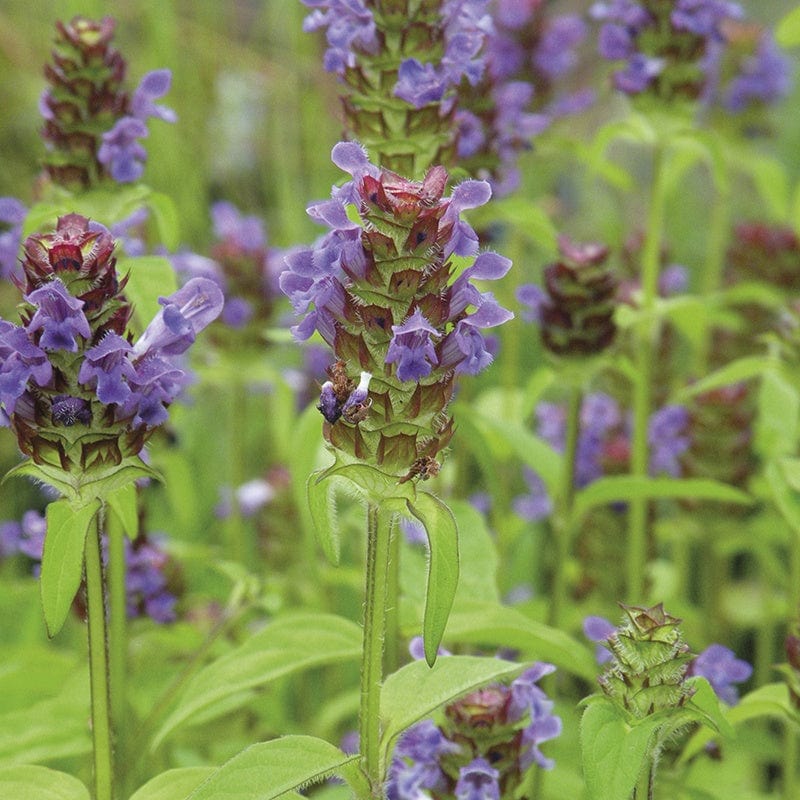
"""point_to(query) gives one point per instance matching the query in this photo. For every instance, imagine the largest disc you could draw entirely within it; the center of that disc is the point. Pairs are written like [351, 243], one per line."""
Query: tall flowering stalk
[389, 288]
[83, 398]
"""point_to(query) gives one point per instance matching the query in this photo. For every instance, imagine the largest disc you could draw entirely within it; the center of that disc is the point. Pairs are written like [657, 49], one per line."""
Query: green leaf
[772, 182]
[708, 706]
[62, 559]
[614, 753]
[124, 505]
[492, 624]
[165, 215]
[322, 505]
[29, 782]
[271, 769]
[778, 410]
[286, 645]
[416, 690]
[373, 484]
[623, 488]
[771, 701]
[784, 494]
[787, 32]
[742, 369]
[173, 783]
[440, 525]
[149, 277]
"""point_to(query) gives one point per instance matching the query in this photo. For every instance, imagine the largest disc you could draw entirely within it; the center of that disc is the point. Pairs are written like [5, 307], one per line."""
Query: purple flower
[615, 42]
[638, 74]
[107, 364]
[704, 17]
[20, 360]
[120, 151]
[668, 438]
[60, 316]
[528, 698]
[154, 386]
[415, 766]
[68, 410]
[674, 279]
[764, 77]
[246, 233]
[419, 84]
[478, 781]
[465, 346]
[555, 55]
[33, 529]
[12, 215]
[152, 86]
[412, 348]
[720, 667]
[598, 629]
[184, 314]
[350, 27]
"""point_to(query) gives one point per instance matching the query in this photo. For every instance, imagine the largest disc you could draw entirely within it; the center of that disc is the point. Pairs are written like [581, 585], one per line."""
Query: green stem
[240, 546]
[117, 633]
[379, 534]
[791, 741]
[642, 391]
[562, 520]
[98, 668]
[391, 655]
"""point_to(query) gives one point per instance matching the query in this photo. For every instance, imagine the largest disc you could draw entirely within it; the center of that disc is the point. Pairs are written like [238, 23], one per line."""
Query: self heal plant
[390, 289]
[83, 398]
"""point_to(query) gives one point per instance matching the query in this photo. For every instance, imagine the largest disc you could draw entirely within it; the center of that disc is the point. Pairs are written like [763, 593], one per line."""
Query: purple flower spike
[412, 348]
[121, 153]
[245, 232]
[535, 505]
[153, 85]
[60, 316]
[478, 781]
[720, 667]
[185, 313]
[108, 365]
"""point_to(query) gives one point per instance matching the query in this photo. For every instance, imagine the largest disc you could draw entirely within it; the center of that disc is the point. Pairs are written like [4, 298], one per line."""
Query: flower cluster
[91, 123]
[12, 216]
[665, 46]
[717, 664]
[78, 393]
[148, 577]
[483, 747]
[389, 292]
[604, 445]
[528, 52]
[401, 64]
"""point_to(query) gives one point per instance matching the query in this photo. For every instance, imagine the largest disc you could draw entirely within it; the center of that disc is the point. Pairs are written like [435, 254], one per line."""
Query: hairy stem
[98, 668]
[379, 535]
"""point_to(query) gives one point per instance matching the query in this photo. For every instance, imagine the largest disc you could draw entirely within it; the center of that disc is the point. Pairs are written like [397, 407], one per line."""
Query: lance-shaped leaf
[273, 769]
[416, 690]
[322, 505]
[29, 782]
[289, 644]
[440, 526]
[123, 505]
[62, 559]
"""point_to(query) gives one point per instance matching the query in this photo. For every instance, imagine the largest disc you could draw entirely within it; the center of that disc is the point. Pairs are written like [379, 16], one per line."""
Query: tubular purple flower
[20, 360]
[121, 153]
[245, 232]
[153, 85]
[466, 339]
[412, 348]
[60, 316]
[598, 629]
[184, 314]
[419, 84]
[638, 74]
[720, 667]
[155, 385]
[555, 55]
[107, 366]
[478, 781]
[536, 505]
[488, 266]
[704, 17]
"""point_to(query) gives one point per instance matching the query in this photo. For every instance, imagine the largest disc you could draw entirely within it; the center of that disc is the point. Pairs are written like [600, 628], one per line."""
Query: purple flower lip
[59, 316]
[184, 314]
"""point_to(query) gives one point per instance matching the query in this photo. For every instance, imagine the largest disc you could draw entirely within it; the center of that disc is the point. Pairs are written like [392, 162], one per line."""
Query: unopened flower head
[92, 124]
[74, 387]
[389, 292]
